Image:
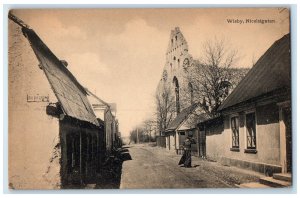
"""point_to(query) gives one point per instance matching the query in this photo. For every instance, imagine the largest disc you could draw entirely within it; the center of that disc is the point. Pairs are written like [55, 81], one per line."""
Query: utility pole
[150, 134]
[137, 136]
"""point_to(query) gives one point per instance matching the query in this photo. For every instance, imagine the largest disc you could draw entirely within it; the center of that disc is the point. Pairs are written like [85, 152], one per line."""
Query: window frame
[249, 149]
[234, 148]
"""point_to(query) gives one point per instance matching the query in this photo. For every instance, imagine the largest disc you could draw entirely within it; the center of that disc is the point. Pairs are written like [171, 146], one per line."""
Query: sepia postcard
[149, 98]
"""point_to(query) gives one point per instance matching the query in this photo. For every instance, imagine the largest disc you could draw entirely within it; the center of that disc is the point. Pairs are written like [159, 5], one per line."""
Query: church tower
[178, 60]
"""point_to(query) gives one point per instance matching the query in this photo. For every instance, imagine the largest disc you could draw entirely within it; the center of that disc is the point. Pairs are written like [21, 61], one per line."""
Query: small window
[176, 38]
[174, 58]
[251, 130]
[235, 132]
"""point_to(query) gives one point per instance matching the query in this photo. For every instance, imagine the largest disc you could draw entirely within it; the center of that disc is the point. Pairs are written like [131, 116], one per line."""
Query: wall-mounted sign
[37, 98]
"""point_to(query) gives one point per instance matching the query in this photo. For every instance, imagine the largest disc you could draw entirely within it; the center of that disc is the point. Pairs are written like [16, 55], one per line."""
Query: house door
[288, 128]
[168, 142]
[202, 143]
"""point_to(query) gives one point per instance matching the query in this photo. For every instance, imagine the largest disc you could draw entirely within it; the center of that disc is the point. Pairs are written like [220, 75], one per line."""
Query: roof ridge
[274, 52]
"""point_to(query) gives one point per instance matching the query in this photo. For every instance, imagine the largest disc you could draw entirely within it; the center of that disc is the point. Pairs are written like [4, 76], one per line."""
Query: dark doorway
[288, 128]
[73, 157]
[202, 143]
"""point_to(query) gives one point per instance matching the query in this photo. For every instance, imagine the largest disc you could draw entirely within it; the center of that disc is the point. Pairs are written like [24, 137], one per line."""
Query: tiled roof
[69, 92]
[181, 117]
[271, 72]
[193, 120]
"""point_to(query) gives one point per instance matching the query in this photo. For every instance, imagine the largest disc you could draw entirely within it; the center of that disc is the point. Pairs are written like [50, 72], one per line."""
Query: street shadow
[153, 144]
[110, 176]
[210, 160]
[126, 156]
[190, 167]
[124, 150]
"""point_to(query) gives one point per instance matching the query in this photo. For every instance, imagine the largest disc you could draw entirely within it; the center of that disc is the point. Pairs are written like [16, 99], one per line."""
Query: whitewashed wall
[34, 150]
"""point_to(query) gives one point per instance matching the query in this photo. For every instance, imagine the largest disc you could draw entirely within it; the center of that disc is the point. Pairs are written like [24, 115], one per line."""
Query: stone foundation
[267, 169]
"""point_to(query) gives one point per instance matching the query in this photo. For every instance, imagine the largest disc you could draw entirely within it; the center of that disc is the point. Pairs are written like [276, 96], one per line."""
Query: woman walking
[186, 158]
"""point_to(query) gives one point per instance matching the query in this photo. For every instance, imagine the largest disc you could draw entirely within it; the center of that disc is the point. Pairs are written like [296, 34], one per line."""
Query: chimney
[65, 63]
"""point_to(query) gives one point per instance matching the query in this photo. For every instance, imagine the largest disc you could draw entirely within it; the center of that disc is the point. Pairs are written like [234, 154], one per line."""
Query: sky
[119, 54]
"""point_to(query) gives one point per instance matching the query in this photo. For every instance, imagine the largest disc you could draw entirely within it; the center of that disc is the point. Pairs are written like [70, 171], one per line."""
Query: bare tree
[165, 108]
[149, 125]
[133, 136]
[143, 132]
[138, 135]
[213, 76]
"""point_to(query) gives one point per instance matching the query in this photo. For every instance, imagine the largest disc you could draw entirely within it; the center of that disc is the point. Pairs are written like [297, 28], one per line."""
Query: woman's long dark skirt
[186, 158]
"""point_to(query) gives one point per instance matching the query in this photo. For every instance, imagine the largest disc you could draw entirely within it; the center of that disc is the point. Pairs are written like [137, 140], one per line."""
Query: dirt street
[154, 167]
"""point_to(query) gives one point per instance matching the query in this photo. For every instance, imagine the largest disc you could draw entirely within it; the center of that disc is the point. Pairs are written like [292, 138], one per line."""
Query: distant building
[175, 79]
[184, 124]
[54, 136]
[255, 130]
[104, 112]
[178, 60]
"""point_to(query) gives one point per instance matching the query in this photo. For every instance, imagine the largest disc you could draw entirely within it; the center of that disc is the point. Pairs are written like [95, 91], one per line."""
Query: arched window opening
[186, 63]
[176, 84]
[191, 90]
